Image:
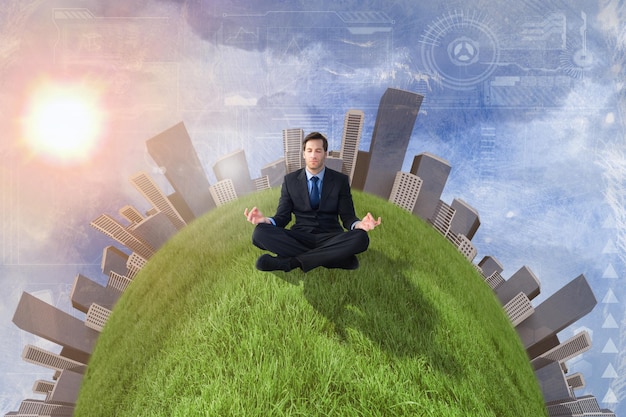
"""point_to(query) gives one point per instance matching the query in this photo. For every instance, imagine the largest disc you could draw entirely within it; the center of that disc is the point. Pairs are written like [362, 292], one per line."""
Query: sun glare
[63, 122]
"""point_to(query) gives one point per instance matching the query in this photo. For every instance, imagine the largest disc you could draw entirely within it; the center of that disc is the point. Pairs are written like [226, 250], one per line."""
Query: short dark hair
[315, 135]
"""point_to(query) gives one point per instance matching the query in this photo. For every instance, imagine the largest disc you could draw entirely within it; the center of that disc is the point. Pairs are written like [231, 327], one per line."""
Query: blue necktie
[314, 197]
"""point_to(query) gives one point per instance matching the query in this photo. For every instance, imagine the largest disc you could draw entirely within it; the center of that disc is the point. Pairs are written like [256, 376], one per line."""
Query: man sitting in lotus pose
[318, 196]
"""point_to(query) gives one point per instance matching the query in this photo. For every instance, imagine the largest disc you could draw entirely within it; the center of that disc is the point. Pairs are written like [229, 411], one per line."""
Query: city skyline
[554, 314]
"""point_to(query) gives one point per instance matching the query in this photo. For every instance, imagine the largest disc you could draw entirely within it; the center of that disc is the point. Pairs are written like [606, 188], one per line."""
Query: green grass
[414, 331]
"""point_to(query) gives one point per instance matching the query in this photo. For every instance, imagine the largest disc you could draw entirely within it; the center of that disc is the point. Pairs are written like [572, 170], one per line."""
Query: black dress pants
[331, 250]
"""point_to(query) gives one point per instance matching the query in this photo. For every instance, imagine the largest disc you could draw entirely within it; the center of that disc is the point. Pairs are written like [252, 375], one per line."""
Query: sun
[63, 122]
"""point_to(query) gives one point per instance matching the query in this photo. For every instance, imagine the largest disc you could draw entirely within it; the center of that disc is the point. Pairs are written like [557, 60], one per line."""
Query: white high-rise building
[352, 129]
[406, 188]
[151, 191]
[494, 280]
[43, 387]
[587, 405]
[261, 183]
[31, 408]
[223, 192]
[575, 381]
[42, 357]
[134, 264]
[292, 144]
[564, 351]
[117, 281]
[110, 227]
[442, 218]
[131, 214]
[464, 245]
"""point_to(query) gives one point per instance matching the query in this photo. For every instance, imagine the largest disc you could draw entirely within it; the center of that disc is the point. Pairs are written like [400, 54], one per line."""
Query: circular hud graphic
[461, 49]
[576, 61]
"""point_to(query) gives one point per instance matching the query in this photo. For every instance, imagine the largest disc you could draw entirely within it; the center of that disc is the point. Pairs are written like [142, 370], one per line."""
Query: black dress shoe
[267, 262]
[348, 263]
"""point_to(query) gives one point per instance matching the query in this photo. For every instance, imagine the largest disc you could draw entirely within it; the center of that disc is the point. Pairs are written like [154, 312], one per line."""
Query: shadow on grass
[380, 301]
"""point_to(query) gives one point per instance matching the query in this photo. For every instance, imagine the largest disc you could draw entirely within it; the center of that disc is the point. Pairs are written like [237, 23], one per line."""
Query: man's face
[314, 155]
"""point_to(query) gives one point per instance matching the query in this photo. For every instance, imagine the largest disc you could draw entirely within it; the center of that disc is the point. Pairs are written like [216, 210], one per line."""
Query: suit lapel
[327, 187]
[303, 188]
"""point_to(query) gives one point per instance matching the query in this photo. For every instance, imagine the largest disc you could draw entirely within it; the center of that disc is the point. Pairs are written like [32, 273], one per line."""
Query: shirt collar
[319, 175]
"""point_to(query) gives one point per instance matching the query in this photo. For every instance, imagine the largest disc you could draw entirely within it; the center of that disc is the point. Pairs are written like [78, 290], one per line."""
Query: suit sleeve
[346, 205]
[285, 206]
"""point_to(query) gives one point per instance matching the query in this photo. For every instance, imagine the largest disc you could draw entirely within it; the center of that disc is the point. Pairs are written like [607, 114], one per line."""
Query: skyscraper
[47, 359]
[223, 192]
[43, 387]
[261, 183]
[275, 172]
[434, 172]
[110, 227]
[131, 214]
[235, 167]
[360, 170]
[576, 381]
[151, 192]
[97, 317]
[587, 405]
[561, 309]
[86, 291]
[565, 351]
[519, 308]
[43, 320]
[553, 384]
[464, 245]
[395, 120]
[523, 280]
[173, 151]
[334, 162]
[30, 408]
[134, 264]
[292, 145]
[66, 389]
[154, 230]
[113, 259]
[352, 128]
[494, 280]
[118, 283]
[442, 218]
[406, 188]
[466, 220]
[488, 265]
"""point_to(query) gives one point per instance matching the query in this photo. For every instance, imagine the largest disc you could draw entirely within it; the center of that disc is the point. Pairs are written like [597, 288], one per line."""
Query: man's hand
[367, 223]
[255, 216]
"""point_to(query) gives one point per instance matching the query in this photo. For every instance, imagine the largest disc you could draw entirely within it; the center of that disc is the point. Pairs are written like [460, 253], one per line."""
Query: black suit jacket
[335, 202]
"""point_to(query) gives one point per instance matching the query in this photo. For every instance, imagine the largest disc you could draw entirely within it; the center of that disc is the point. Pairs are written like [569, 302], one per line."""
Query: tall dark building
[44, 320]
[434, 172]
[466, 220]
[396, 116]
[360, 170]
[561, 309]
[173, 151]
[85, 292]
[524, 280]
[235, 167]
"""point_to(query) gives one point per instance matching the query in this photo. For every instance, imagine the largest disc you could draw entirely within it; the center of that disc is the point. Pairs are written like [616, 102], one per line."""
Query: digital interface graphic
[524, 100]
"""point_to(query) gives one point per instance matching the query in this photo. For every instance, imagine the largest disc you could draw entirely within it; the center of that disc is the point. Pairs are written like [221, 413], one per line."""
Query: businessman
[318, 197]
